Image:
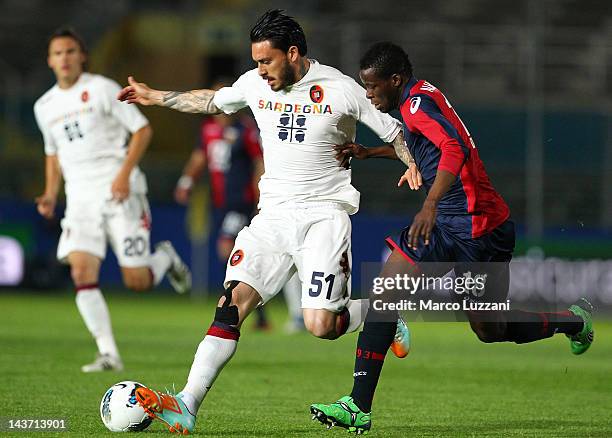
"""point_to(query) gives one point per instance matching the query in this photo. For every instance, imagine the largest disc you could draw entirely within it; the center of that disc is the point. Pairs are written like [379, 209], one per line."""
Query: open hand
[139, 92]
[422, 225]
[120, 189]
[412, 176]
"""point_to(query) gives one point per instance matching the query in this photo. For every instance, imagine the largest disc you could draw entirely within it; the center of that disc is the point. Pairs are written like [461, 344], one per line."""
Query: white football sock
[159, 263]
[94, 311]
[357, 310]
[210, 358]
[292, 290]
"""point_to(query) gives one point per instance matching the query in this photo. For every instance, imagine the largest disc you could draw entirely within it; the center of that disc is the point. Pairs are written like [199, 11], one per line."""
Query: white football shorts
[88, 225]
[311, 240]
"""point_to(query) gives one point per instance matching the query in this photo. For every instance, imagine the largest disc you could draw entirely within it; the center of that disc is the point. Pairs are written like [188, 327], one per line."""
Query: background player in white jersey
[302, 109]
[85, 131]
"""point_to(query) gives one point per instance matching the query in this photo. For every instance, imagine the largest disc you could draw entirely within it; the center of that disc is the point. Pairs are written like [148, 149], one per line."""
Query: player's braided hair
[281, 30]
[69, 32]
[386, 59]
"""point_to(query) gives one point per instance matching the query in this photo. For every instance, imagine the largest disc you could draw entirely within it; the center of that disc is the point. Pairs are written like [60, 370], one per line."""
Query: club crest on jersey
[236, 257]
[84, 96]
[316, 94]
[145, 221]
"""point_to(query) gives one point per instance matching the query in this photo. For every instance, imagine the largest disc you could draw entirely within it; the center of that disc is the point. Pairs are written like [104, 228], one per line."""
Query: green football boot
[343, 413]
[581, 341]
[167, 408]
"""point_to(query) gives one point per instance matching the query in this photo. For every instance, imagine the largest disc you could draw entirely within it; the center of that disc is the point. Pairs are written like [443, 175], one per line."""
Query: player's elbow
[145, 133]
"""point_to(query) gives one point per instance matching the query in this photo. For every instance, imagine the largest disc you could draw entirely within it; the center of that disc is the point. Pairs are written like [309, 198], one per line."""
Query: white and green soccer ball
[119, 410]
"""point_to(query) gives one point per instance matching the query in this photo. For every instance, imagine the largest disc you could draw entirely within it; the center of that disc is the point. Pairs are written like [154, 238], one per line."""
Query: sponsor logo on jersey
[64, 117]
[292, 127]
[316, 94]
[85, 96]
[414, 104]
[236, 257]
[294, 107]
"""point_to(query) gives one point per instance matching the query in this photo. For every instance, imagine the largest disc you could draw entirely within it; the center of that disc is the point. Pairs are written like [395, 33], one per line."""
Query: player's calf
[489, 332]
[137, 279]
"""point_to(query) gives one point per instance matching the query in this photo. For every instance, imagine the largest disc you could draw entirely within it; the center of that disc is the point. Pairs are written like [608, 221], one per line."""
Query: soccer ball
[119, 410]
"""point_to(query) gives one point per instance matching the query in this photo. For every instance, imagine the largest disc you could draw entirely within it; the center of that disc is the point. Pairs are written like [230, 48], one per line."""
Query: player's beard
[287, 77]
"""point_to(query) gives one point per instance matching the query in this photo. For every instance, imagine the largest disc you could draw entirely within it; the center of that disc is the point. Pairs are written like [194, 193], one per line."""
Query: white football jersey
[89, 129]
[299, 127]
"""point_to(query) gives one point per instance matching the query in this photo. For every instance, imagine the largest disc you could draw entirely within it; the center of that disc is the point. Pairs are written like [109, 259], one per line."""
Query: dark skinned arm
[425, 219]
[345, 151]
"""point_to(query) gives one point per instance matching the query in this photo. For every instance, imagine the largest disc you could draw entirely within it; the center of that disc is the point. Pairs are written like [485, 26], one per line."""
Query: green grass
[450, 385]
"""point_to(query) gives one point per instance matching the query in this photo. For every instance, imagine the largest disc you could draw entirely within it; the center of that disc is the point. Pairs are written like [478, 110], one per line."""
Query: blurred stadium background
[532, 79]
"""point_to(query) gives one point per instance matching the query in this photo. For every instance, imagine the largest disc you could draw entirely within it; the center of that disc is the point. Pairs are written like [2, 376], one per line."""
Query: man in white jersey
[302, 109]
[95, 143]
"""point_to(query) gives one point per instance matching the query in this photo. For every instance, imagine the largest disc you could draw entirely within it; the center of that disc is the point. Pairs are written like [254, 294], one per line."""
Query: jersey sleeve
[423, 116]
[383, 125]
[232, 99]
[129, 116]
[50, 146]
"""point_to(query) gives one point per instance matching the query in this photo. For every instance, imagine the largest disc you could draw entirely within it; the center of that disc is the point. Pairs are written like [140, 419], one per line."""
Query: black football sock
[372, 346]
[262, 320]
[523, 327]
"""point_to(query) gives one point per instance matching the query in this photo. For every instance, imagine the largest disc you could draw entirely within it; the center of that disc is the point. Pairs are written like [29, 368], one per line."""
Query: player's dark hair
[281, 30]
[69, 32]
[386, 59]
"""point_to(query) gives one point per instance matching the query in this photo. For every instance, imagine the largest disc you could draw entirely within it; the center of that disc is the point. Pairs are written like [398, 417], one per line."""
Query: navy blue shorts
[451, 242]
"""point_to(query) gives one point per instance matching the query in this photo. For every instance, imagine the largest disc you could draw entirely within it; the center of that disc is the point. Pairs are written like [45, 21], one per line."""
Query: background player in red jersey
[463, 225]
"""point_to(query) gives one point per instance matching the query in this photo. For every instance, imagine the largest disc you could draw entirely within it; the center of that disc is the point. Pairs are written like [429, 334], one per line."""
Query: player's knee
[82, 274]
[227, 312]
[321, 327]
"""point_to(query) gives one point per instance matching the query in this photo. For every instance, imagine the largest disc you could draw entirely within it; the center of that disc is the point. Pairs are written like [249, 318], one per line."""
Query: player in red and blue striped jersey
[463, 223]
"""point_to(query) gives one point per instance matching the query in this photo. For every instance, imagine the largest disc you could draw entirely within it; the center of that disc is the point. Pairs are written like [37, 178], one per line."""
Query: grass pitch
[450, 385]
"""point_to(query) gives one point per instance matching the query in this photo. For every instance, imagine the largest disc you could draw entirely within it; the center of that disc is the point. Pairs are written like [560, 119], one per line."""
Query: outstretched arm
[397, 150]
[194, 101]
[401, 149]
